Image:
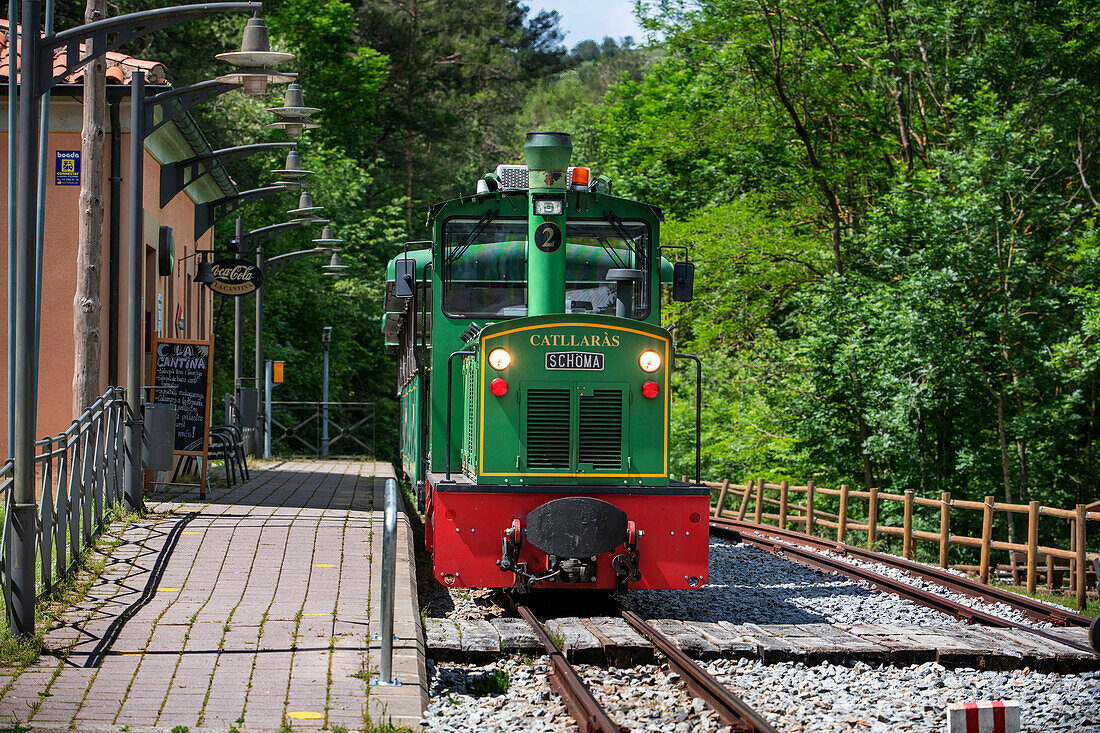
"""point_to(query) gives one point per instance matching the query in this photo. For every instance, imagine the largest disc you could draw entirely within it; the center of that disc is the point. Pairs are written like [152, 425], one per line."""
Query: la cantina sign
[236, 277]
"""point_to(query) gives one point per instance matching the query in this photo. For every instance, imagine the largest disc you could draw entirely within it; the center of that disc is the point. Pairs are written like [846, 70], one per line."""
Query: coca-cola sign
[236, 277]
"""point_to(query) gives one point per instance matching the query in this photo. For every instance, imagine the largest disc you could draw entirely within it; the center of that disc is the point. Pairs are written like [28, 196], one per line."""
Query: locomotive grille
[600, 436]
[548, 429]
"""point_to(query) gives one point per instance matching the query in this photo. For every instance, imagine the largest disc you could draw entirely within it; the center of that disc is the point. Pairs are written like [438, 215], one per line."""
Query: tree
[87, 306]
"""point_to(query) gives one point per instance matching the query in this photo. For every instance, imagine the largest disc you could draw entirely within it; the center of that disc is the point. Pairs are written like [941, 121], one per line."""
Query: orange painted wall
[55, 404]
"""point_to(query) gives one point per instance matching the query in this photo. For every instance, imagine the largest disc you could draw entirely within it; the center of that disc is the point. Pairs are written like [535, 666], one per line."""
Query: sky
[592, 19]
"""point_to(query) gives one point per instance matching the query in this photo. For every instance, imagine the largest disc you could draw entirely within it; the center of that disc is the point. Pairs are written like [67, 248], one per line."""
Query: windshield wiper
[484, 221]
[611, 251]
[620, 228]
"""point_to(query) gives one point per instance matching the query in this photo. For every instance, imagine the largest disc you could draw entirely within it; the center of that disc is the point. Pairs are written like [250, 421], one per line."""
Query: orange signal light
[277, 372]
[580, 176]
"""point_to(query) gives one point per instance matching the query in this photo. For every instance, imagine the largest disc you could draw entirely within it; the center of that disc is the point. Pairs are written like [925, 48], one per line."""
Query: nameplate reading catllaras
[573, 339]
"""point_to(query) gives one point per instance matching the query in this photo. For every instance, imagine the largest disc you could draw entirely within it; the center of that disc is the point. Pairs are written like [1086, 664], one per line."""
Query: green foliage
[891, 210]
[492, 682]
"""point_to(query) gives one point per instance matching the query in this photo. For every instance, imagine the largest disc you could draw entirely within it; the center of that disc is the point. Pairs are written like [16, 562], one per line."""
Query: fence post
[783, 505]
[744, 501]
[872, 518]
[842, 519]
[1082, 563]
[757, 515]
[809, 507]
[1050, 572]
[1032, 545]
[722, 497]
[907, 527]
[945, 527]
[987, 539]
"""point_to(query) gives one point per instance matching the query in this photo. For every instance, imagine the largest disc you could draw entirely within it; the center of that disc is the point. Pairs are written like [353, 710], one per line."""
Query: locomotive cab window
[485, 267]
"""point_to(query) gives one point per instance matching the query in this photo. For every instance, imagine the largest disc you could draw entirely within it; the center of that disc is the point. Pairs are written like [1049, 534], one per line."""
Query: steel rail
[814, 559]
[578, 699]
[1035, 610]
[730, 708]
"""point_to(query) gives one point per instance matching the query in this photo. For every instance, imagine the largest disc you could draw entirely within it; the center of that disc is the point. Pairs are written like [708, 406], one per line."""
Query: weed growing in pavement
[16, 727]
[369, 726]
[67, 592]
[488, 683]
[557, 637]
[180, 729]
[285, 727]
[339, 728]
[234, 729]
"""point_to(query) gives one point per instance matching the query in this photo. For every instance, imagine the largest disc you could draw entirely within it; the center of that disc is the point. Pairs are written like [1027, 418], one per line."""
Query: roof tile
[119, 65]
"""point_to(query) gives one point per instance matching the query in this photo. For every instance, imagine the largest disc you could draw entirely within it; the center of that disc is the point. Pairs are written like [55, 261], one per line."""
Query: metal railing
[78, 477]
[389, 581]
[298, 428]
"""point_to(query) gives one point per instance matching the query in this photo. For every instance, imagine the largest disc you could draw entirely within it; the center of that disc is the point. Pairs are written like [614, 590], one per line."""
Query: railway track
[806, 551]
[1033, 609]
[590, 716]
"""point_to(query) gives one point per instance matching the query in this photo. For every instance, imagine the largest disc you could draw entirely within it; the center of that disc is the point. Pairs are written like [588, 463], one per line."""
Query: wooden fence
[785, 505]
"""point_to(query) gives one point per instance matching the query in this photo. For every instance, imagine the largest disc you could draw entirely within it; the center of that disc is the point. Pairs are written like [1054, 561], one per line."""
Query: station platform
[251, 610]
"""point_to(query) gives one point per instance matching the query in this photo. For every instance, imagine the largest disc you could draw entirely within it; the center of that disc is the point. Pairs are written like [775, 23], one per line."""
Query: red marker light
[498, 387]
[650, 390]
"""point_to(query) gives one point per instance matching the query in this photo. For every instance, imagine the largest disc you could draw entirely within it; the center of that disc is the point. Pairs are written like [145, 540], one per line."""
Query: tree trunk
[87, 335]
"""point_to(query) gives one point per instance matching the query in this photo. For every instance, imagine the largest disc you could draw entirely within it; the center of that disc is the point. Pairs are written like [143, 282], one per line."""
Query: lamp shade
[305, 205]
[334, 268]
[327, 237]
[291, 173]
[255, 61]
[294, 115]
[255, 48]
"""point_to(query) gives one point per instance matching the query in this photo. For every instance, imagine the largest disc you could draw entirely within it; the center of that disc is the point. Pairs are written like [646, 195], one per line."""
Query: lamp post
[326, 336]
[39, 74]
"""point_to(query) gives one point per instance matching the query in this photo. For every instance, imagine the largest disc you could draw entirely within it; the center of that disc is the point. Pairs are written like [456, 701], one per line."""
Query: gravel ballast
[826, 698]
[830, 698]
[749, 585]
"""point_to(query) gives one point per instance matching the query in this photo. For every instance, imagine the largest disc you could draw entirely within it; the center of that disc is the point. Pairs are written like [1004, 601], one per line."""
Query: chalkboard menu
[181, 376]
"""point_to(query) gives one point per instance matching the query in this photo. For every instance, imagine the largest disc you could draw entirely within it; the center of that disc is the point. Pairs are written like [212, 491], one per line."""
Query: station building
[174, 307]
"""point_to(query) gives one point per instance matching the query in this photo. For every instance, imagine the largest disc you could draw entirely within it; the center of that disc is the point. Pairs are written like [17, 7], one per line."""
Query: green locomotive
[534, 385]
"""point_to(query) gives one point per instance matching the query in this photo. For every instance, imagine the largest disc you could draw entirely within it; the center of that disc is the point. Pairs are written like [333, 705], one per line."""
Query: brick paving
[249, 610]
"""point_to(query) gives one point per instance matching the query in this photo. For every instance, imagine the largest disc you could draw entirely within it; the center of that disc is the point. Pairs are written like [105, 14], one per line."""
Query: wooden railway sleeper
[730, 708]
[811, 558]
[576, 696]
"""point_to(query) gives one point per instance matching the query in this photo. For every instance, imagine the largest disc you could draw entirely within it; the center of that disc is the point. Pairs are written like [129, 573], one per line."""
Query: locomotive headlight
[499, 359]
[649, 361]
[549, 207]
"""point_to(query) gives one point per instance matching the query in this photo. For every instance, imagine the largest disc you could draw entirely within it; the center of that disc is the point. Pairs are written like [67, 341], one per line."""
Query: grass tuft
[494, 682]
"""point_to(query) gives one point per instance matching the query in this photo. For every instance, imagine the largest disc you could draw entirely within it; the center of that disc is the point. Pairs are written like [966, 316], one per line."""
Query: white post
[269, 376]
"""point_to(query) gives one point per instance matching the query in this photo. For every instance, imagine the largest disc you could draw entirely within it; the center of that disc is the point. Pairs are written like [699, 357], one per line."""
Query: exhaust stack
[547, 155]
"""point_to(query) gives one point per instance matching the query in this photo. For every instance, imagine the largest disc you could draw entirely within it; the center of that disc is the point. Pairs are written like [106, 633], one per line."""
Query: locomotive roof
[518, 198]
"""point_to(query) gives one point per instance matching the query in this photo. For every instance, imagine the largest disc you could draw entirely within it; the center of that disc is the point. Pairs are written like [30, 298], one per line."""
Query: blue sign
[67, 168]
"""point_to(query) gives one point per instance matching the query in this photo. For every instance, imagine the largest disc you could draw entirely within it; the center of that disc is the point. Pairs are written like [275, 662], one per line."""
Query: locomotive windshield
[485, 266]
